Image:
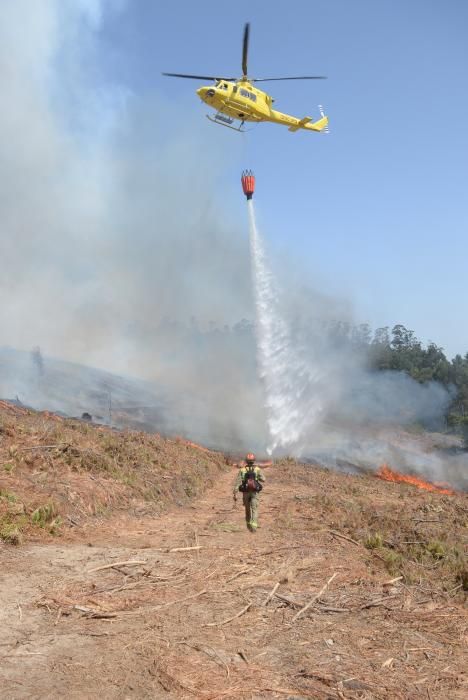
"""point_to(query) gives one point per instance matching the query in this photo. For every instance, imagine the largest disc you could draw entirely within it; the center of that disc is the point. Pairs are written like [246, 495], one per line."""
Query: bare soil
[206, 609]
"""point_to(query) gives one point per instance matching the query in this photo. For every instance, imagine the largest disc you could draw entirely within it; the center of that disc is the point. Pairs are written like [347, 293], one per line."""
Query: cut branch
[327, 608]
[379, 601]
[239, 573]
[117, 563]
[288, 600]
[44, 447]
[182, 600]
[358, 544]
[279, 549]
[230, 619]
[316, 597]
[96, 614]
[344, 537]
[271, 594]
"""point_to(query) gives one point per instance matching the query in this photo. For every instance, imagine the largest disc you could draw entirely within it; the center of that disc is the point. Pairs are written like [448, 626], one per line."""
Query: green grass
[437, 549]
[47, 518]
[11, 523]
[44, 515]
[394, 561]
[10, 533]
[8, 496]
[374, 540]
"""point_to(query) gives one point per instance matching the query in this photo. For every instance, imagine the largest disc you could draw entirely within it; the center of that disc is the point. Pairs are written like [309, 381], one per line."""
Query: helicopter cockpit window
[250, 95]
[225, 87]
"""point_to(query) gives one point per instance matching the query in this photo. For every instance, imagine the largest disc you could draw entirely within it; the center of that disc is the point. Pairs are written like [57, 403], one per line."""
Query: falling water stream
[286, 377]
[296, 384]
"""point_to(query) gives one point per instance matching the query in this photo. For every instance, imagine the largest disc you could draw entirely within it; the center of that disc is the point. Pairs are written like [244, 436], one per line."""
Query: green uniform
[250, 498]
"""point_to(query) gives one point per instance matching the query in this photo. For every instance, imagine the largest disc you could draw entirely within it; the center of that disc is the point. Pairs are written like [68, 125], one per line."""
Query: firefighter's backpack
[250, 483]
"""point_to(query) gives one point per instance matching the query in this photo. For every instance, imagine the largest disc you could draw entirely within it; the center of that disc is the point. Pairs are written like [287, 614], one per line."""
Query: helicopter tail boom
[300, 124]
[307, 123]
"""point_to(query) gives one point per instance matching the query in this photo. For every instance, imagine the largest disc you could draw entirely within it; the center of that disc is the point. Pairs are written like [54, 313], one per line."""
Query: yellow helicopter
[238, 100]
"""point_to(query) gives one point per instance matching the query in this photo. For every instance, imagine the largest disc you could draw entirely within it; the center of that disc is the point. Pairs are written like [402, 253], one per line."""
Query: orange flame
[391, 475]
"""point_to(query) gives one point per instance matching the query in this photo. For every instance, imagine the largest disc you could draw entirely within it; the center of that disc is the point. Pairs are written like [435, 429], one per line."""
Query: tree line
[398, 349]
[395, 349]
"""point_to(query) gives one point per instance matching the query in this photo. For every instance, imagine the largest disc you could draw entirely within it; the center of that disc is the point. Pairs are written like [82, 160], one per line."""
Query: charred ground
[205, 609]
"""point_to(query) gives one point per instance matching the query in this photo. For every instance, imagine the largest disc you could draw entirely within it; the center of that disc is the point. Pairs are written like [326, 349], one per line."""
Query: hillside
[33, 380]
[72, 389]
[127, 572]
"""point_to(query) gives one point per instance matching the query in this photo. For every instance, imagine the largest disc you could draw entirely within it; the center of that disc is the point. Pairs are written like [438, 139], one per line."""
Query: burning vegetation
[388, 474]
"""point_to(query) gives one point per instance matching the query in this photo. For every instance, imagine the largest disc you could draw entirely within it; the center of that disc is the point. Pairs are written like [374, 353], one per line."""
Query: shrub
[437, 549]
[7, 496]
[10, 533]
[44, 515]
[463, 578]
[393, 561]
[373, 541]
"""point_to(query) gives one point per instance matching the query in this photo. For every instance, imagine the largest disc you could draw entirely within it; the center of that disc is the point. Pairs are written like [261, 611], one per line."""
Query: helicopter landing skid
[222, 120]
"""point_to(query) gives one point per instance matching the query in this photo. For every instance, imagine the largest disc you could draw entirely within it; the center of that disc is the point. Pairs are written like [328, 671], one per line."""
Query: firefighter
[249, 482]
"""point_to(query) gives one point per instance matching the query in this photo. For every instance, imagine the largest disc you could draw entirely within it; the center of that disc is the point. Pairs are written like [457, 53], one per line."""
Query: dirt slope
[59, 473]
[202, 623]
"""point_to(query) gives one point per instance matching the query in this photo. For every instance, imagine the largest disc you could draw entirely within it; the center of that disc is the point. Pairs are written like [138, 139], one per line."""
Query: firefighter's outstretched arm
[260, 475]
[237, 483]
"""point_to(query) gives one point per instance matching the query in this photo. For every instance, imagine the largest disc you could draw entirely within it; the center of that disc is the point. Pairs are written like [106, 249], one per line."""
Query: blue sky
[376, 212]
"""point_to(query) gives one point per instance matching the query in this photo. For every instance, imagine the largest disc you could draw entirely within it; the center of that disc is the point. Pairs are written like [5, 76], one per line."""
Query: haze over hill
[166, 407]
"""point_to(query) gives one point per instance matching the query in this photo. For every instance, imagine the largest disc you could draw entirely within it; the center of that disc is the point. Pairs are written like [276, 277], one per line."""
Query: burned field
[128, 573]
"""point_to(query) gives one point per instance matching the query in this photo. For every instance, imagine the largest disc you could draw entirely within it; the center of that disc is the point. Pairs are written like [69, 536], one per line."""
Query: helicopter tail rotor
[326, 130]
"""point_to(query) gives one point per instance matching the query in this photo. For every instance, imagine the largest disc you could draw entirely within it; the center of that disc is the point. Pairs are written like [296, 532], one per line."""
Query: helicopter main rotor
[245, 50]
[245, 78]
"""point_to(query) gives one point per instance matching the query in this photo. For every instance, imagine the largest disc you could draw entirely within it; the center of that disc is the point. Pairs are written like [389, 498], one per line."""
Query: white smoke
[111, 235]
[106, 211]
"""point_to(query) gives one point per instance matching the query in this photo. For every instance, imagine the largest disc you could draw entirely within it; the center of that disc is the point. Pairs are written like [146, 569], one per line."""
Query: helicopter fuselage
[241, 100]
[236, 99]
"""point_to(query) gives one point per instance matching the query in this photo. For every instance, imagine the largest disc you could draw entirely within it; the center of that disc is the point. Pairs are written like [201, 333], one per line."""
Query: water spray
[285, 377]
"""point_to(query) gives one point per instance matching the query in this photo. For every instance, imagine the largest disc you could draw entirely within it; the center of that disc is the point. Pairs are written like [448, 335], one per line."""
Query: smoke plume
[118, 252]
[115, 251]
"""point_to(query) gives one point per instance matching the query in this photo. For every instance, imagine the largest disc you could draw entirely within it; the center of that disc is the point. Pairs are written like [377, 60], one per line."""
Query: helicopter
[237, 100]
